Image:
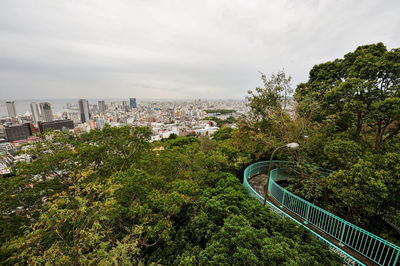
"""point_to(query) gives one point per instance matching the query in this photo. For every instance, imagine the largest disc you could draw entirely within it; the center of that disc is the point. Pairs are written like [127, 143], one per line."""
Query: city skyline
[176, 50]
[23, 106]
[163, 117]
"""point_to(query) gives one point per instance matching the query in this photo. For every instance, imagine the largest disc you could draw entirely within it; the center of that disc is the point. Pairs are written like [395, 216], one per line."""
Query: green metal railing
[366, 244]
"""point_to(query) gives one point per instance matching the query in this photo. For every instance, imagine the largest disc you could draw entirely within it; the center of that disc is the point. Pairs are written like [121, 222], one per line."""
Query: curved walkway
[355, 245]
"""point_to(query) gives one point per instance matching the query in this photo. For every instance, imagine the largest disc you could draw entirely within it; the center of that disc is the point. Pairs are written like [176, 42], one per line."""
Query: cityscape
[199, 117]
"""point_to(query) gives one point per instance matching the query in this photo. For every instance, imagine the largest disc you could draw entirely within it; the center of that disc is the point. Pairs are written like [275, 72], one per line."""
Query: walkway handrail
[367, 244]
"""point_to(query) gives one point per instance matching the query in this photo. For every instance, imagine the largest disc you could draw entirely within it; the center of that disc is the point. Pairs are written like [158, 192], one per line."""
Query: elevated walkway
[355, 245]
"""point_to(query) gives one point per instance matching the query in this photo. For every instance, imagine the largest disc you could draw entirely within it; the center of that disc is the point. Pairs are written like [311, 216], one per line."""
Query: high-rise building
[84, 110]
[12, 111]
[102, 106]
[125, 106]
[35, 113]
[46, 112]
[100, 123]
[57, 125]
[92, 124]
[132, 102]
[3, 136]
[17, 132]
[64, 115]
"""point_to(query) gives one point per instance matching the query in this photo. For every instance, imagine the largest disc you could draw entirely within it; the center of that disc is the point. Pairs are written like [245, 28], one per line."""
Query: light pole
[292, 146]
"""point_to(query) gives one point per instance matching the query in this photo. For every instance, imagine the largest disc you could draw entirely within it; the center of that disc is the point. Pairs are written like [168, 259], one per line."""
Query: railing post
[308, 212]
[397, 257]
[341, 237]
[283, 199]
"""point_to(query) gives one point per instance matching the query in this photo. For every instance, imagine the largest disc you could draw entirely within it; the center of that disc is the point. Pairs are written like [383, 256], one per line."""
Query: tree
[71, 225]
[359, 93]
[226, 227]
[342, 154]
[52, 187]
[362, 191]
[268, 125]
[113, 148]
[223, 133]
[352, 108]
[263, 101]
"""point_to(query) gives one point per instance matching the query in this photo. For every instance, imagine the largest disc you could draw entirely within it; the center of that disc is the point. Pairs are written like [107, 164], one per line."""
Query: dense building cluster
[197, 117]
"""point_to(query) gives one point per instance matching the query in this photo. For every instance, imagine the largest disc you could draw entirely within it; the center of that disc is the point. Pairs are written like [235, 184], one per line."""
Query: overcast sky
[177, 49]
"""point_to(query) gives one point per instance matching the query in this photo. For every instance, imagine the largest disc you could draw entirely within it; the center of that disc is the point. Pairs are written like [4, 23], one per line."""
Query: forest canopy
[113, 198]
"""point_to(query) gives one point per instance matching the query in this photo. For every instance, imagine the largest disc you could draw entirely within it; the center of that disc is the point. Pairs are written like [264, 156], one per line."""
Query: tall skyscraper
[35, 112]
[84, 110]
[125, 106]
[12, 112]
[132, 102]
[46, 112]
[102, 106]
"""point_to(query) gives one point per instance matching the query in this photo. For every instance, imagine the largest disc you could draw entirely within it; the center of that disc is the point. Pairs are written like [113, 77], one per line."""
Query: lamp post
[292, 146]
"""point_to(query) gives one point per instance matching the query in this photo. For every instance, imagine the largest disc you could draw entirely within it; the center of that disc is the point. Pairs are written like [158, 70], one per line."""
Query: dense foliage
[347, 119]
[221, 122]
[111, 197]
[353, 106]
[358, 95]
[220, 111]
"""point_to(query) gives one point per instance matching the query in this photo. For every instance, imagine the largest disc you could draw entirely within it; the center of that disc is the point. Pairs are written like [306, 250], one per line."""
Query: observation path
[355, 245]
